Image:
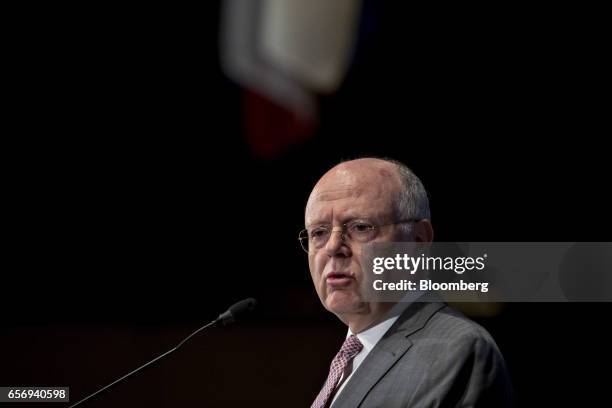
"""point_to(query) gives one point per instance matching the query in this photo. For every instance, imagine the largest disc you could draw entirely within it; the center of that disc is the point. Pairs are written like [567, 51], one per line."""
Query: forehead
[353, 191]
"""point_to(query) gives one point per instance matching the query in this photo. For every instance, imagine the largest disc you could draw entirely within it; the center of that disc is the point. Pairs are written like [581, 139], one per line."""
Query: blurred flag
[311, 40]
[284, 53]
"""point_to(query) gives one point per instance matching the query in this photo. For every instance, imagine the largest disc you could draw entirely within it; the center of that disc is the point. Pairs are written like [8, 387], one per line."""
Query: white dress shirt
[371, 336]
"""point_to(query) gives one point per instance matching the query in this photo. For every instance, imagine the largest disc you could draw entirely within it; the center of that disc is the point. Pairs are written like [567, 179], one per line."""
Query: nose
[336, 245]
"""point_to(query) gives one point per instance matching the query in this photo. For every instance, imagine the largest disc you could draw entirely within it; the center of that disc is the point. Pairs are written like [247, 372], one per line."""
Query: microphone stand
[145, 365]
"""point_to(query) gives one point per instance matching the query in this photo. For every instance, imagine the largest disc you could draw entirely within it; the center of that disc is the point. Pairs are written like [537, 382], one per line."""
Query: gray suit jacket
[432, 356]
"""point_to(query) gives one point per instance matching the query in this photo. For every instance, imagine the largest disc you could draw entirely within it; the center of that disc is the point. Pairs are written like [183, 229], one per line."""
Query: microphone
[235, 311]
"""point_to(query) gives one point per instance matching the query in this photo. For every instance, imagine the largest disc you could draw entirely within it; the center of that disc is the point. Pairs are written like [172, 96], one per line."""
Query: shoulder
[449, 334]
[463, 355]
[450, 323]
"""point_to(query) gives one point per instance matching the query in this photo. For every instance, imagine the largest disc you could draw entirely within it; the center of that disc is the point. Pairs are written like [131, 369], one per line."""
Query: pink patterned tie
[351, 347]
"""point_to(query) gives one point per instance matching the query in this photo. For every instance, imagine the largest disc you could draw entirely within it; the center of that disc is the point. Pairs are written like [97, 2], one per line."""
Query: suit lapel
[383, 356]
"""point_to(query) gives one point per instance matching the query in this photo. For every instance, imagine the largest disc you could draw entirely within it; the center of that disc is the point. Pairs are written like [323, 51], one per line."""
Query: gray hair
[413, 201]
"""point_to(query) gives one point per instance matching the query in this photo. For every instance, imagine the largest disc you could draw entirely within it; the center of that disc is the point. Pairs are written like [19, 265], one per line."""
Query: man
[395, 355]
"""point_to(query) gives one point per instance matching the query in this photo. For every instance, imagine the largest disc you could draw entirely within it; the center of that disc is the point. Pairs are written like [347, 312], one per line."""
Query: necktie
[350, 348]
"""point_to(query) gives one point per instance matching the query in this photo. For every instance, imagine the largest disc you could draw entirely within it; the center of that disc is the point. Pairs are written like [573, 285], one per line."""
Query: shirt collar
[371, 336]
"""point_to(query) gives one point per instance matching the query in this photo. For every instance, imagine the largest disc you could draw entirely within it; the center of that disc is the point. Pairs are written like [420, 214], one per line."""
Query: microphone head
[244, 306]
[237, 310]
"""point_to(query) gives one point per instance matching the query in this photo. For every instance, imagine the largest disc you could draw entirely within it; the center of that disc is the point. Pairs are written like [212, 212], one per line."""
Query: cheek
[312, 265]
[316, 264]
[356, 259]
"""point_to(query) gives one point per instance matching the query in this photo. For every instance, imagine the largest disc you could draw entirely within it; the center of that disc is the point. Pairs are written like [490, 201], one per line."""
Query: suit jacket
[432, 356]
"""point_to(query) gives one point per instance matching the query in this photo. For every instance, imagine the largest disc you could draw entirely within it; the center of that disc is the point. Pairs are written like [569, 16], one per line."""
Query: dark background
[136, 210]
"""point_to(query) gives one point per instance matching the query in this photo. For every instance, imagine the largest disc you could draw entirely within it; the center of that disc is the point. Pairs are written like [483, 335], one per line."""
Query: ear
[422, 231]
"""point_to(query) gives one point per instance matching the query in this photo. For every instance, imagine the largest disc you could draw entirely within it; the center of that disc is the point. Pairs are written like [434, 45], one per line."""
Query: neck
[374, 314]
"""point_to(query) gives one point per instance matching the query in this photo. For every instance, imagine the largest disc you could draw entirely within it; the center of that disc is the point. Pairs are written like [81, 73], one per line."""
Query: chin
[341, 302]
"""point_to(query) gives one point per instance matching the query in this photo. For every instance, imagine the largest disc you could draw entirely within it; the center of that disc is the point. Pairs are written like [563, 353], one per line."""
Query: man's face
[358, 190]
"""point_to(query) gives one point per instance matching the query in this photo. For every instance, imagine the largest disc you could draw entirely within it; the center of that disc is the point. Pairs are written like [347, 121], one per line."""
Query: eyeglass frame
[343, 230]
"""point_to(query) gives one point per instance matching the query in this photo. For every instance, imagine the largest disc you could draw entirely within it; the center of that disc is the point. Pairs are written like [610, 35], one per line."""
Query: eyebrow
[344, 220]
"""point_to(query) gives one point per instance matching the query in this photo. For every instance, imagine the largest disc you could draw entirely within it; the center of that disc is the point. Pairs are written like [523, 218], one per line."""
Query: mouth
[338, 279]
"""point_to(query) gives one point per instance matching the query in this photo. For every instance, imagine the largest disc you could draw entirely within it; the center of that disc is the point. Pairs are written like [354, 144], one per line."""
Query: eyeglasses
[355, 231]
